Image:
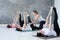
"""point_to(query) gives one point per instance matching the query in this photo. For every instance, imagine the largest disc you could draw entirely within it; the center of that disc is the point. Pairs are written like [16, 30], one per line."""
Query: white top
[27, 27]
[41, 18]
[49, 32]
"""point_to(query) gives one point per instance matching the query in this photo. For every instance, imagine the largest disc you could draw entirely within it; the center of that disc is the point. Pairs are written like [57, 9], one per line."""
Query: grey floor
[12, 34]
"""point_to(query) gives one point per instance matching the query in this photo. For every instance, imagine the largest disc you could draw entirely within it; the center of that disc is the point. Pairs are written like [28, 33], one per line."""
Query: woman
[39, 18]
[14, 23]
[22, 23]
[48, 30]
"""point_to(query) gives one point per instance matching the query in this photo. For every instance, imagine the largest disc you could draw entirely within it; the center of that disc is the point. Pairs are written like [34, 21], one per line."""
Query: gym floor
[12, 34]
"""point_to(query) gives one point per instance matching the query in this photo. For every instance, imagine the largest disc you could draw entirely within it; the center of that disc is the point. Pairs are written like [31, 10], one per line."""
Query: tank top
[41, 18]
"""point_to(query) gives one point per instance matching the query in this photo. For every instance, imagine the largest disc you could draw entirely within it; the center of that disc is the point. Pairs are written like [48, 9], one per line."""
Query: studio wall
[57, 5]
[8, 8]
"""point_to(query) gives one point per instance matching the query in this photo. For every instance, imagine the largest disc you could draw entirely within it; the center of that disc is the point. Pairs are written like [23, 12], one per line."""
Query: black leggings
[56, 26]
[38, 28]
[21, 22]
[35, 27]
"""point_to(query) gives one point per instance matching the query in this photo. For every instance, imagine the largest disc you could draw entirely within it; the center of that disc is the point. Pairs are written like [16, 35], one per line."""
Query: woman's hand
[33, 21]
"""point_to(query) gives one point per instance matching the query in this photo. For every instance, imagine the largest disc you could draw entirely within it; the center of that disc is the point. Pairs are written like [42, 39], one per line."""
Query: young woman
[48, 29]
[22, 23]
[39, 18]
[14, 23]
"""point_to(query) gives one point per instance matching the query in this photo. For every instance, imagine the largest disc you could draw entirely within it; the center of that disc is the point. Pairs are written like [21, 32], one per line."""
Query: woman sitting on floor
[39, 18]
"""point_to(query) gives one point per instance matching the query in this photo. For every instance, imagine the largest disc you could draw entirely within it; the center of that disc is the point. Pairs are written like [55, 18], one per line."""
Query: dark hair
[35, 11]
[39, 34]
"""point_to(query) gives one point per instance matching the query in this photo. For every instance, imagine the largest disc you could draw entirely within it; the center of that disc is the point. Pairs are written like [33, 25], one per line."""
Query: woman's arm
[50, 12]
[24, 21]
[14, 23]
[35, 19]
[16, 17]
[50, 23]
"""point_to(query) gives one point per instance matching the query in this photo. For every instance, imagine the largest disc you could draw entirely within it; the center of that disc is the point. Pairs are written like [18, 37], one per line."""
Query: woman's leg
[29, 19]
[21, 22]
[34, 27]
[41, 25]
[19, 28]
[56, 26]
[31, 25]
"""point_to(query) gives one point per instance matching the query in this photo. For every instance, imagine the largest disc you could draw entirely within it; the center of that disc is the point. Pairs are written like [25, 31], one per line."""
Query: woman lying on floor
[22, 25]
[48, 29]
[14, 23]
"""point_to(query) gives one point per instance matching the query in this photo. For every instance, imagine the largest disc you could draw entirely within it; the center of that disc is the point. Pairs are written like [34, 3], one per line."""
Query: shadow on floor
[51, 37]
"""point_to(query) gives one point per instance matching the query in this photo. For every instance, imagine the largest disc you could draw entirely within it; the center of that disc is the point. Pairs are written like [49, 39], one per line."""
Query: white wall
[8, 8]
[57, 5]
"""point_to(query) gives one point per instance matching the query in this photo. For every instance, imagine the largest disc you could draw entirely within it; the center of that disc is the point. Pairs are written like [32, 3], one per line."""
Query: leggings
[21, 22]
[56, 26]
[35, 27]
